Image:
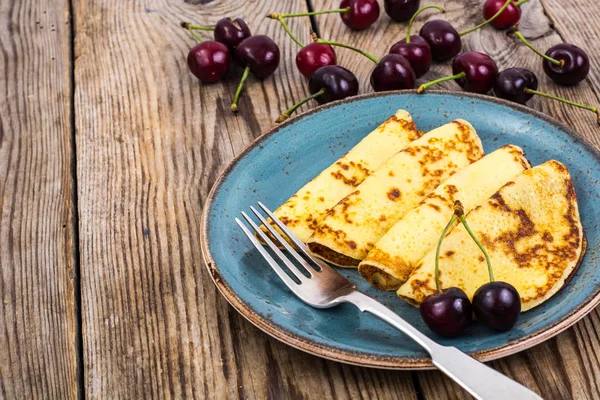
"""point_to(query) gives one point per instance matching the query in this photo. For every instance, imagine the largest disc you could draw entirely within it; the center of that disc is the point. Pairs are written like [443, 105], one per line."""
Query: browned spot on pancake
[420, 289]
[449, 253]
[313, 224]
[481, 258]
[450, 189]
[434, 206]
[497, 201]
[412, 150]
[573, 237]
[409, 180]
[306, 198]
[421, 133]
[559, 167]
[391, 173]
[369, 246]
[404, 125]
[463, 128]
[321, 198]
[394, 194]
[547, 236]
[394, 119]
[433, 196]
[357, 170]
[345, 204]
[351, 244]
[382, 217]
[354, 181]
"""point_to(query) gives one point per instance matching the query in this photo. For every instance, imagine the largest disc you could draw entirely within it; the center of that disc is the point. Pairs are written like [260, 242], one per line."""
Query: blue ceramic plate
[281, 161]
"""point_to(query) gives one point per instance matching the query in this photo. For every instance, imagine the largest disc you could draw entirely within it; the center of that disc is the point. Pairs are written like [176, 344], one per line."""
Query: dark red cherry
[448, 313]
[511, 84]
[575, 68]
[209, 61]
[497, 305]
[393, 72]
[337, 81]
[231, 32]
[314, 56]
[417, 52]
[362, 14]
[401, 10]
[520, 85]
[508, 18]
[443, 39]
[328, 83]
[480, 71]
[259, 53]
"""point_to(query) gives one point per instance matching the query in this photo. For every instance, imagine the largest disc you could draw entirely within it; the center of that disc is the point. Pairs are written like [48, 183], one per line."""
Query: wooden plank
[37, 323]
[151, 141]
[563, 367]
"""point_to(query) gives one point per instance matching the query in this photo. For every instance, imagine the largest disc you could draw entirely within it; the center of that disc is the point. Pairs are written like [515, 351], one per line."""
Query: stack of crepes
[383, 206]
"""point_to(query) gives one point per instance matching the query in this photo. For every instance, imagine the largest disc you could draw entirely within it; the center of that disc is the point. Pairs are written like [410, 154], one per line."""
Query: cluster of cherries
[448, 312]
[407, 60]
[210, 60]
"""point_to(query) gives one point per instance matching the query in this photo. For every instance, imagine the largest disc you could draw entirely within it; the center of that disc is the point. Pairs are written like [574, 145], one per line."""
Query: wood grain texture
[151, 141]
[565, 367]
[37, 323]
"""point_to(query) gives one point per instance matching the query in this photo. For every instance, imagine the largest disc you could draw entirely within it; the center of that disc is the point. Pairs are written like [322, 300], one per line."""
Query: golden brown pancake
[306, 209]
[353, 226]
[532, 231]
[394, 256]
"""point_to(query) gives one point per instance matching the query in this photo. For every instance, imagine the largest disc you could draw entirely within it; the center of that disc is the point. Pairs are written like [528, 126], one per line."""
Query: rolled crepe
[306, 209]
[531, 230]
[353, 226]
[394, 256]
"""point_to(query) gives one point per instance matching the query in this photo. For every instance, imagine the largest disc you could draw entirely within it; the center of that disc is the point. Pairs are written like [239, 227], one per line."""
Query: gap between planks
[79, 369]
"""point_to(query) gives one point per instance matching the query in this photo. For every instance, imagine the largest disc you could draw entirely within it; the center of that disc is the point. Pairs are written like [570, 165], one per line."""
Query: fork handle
[479, 380]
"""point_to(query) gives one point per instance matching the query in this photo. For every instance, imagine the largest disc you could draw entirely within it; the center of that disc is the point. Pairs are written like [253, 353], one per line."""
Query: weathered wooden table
[108, 147]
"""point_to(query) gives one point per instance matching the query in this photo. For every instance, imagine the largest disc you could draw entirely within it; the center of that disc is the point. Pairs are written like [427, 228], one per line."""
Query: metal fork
[325, 288]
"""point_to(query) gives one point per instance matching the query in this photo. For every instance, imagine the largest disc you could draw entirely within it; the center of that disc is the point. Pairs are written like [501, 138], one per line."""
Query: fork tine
[283, 242]
[280, 272]
[293, 269]
[297, 242]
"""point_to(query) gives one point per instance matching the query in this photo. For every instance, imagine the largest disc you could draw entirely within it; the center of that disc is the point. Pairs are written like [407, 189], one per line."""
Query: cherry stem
[286, 114]
[346, 46]
[460, 212]
[194, 27]
[549, 96]
[484, 23]
[412, 19]
[437, 252]
[275, 15]
[191, 28]
[560, 63]
[289, 32]
[444, 79]
[518, 3]
[234, 107]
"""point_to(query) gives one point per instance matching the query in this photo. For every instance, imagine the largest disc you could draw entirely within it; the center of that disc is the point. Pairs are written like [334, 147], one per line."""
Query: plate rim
[349, 356]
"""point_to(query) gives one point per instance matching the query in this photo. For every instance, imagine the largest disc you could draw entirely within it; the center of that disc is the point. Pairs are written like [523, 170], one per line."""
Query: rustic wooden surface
[108, 147]
[37, 263]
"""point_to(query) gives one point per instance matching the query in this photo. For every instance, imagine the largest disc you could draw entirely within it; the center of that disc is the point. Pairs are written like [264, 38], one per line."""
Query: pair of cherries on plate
[449, 312]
